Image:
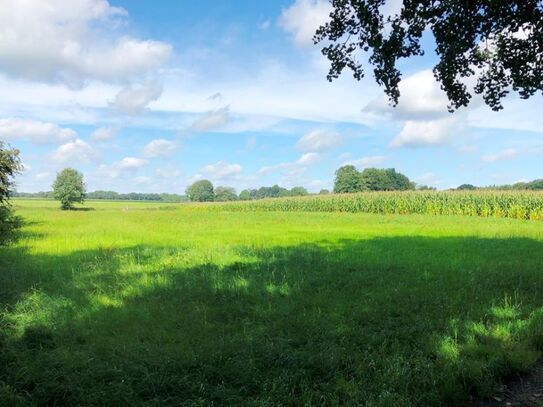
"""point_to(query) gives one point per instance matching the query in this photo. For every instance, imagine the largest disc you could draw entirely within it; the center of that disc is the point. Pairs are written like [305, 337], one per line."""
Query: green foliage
[348, 180]
[298, 191]
[10, 165]
[69, 188]
[223, 194]
[517, 204]
[201, 191]
[497, 42]
[245, 195]
[324, 191]
[187, 306]
[376, 179]
[467, 187]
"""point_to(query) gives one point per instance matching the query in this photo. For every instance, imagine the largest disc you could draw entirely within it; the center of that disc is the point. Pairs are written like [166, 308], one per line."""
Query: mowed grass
[149, 304]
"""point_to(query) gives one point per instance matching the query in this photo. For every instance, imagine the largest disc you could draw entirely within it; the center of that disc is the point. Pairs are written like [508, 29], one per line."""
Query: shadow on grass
[387, 322]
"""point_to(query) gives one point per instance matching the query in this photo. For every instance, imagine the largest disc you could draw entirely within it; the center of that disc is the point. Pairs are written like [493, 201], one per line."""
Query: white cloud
[365, 162]
[36, 131]
[71, 41]
[250, 144]
[309, 159]
[293, 168]
[160, 148]
[426, 133]
[319, 140]
[77, 151]
[421, 98]
[506, 154]
[211, 120]
[303, 18]
[103, 134]
[429, 178]
[221, 170]
[134, 100]
[130, 163]
[42, 176]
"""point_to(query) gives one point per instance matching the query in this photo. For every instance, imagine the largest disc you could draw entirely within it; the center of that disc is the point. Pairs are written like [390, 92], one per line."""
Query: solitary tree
[298, 191]
[348, 180]
[498, 42]
[324, 191]
[69, 188]
[201, 191]
[223, 194]
[10, 165]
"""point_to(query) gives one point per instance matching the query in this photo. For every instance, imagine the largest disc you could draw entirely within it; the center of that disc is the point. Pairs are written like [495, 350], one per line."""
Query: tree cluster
[10, 165]
[349, 179]
[535, 185]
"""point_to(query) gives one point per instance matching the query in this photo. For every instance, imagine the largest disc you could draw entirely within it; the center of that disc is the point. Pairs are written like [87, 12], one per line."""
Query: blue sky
[150, 96]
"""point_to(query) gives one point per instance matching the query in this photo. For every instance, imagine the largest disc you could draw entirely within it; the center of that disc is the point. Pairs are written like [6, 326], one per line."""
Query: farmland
[260, 304]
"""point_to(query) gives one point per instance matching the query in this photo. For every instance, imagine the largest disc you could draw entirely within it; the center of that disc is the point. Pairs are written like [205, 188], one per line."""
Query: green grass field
[149, 304]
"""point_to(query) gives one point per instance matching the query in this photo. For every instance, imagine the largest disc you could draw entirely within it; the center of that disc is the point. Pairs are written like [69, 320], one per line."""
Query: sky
[150, 96]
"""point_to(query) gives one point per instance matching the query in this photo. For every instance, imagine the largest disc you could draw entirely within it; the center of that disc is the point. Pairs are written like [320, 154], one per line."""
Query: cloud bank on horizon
[146, 99]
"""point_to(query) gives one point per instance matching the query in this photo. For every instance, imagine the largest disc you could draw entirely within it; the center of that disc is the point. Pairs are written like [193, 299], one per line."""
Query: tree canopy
[69, 188]
[349, 179]
[497, 42]
[10, 165]
[223, 194]
[201, 191]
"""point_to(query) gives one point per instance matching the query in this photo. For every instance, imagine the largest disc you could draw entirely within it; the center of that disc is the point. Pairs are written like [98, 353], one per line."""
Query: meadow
[181, 304]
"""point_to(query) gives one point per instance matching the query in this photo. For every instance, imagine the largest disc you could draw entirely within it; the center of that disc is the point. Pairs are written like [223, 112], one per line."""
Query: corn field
[499, 204]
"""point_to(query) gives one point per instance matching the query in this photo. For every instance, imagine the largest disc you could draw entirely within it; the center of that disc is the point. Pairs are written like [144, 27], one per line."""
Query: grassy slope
[131, 303]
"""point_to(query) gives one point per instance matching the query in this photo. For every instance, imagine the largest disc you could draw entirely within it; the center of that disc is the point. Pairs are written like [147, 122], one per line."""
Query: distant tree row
[203, 191]
[349, 179]
[535, 185]
[112, 196]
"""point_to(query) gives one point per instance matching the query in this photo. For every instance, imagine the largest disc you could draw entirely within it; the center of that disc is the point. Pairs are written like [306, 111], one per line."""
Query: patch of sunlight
[281, 289]
[448, 349]
[39, 308]
[505, 312]
[107, 301]
[478, 329]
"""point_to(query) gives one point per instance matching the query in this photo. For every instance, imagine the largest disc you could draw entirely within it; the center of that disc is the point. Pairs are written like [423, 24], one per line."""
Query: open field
[146, 303]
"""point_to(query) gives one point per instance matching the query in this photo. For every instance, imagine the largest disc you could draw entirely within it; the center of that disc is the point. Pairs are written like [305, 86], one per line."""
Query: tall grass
[497, 204]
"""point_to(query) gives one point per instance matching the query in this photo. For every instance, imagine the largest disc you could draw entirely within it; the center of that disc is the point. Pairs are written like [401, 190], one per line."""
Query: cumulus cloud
[426, 133]
[77, 151]
[160, 148]
[507, 154]
[221, 170]
[319, 140]
[421, 99]
[365, 162]
[134, 100]
[303, 18]
[293, 168]
[429, 178]
[103, 134]
[71, 41]
[130, 163]
[35, 131]
[309, 159]
[211, 120]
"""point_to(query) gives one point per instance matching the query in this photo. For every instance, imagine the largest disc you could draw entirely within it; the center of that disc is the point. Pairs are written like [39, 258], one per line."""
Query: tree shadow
[386, 321]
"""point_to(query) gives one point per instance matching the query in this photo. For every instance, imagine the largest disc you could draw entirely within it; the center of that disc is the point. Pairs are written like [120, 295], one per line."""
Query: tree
[201, 191]
[376, 179]
[298, 191]
[69, 188]
[245, 195]
[348, 180]
[324, 191]
[498, 42]
[466, 187]
[223, 194]
[10, 165]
